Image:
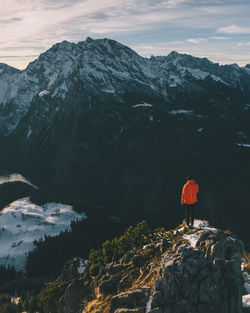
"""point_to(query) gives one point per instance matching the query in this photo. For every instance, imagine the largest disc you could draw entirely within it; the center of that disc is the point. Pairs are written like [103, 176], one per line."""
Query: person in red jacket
[189, 199]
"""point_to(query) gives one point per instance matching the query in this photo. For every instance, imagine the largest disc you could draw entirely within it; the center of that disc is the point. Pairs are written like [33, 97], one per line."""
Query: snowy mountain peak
[104, 66]
[107, 47]
[173, 55]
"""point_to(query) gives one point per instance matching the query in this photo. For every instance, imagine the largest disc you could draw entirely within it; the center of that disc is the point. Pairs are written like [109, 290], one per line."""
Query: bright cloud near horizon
[216, 29]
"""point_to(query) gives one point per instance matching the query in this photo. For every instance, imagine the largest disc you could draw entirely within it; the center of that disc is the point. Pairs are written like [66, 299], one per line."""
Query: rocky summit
[185, 270]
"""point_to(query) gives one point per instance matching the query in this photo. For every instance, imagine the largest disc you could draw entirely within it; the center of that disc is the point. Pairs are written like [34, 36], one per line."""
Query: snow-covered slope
[104, 67]
[23, 221]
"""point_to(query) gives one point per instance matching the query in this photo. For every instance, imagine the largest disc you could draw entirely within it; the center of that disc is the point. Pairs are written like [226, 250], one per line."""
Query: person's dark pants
[190, 214]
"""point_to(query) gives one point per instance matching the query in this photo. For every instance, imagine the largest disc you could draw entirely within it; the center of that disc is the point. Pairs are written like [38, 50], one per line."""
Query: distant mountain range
[97, 120]
[100, 68]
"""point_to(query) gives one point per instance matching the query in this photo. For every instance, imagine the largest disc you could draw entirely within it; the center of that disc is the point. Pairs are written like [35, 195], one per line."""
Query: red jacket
[189, 192]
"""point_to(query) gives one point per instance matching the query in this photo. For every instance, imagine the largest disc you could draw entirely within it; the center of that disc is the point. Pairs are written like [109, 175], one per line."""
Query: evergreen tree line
[52, 252]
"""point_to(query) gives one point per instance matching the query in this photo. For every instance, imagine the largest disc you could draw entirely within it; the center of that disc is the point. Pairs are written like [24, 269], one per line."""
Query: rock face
[71, 300]
[196, 270]
[75, 272]
[207, 278]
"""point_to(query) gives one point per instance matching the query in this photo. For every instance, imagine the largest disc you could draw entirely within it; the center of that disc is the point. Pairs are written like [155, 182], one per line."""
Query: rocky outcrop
[183, 271]
[71, 301]
[189, 270]
[76, 273]
[201, 279]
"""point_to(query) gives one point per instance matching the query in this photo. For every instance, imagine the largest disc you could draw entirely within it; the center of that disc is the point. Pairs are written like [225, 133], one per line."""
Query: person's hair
[190, 178]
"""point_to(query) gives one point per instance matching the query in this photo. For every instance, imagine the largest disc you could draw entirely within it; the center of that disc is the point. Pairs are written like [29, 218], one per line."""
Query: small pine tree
[132, 238]
[108, 250]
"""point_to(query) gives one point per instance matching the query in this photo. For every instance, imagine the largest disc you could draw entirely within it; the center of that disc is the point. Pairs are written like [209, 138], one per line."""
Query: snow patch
[246, 145]
[52, 79]
[6, 177]
[148, 305]
[174, 112]
[22, 221]
[15, 300]
[218, 79]
[197, 73]
[29, 132]
[200, 226]
[246, 301]
[43, 93]
[108, 90]
[82, 266]
[193, 238]
[144, 104]
[203, 225]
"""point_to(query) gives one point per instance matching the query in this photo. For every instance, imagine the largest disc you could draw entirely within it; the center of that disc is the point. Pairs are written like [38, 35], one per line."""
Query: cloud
[243, 44]
[234, 30]
[219, 37]
[33, 26]
[196, 40]
[10, 20]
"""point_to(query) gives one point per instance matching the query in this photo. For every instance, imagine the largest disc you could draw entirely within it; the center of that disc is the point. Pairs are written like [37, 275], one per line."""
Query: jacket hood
[191, 181]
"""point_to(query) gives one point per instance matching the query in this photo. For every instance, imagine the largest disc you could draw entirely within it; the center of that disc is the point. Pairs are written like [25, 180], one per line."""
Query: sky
[216, 29]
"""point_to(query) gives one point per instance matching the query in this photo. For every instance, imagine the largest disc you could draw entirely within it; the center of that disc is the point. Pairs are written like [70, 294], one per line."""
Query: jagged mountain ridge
[104, 66]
